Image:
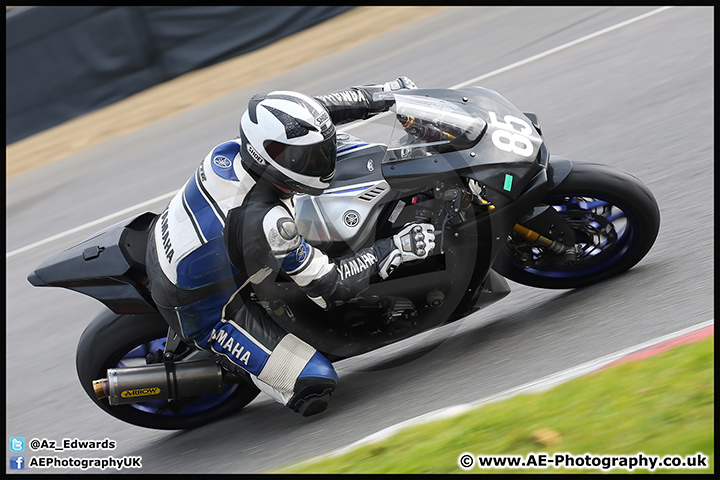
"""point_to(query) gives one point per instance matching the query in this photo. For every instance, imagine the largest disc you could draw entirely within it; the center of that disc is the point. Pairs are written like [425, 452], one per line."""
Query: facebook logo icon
[17, 462]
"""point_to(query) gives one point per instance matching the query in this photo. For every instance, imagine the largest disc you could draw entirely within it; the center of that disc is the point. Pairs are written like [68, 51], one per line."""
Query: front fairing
[472, 133]
[494, 142]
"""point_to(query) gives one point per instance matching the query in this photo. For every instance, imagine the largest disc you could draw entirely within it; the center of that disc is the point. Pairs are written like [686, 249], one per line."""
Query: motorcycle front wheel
[115, 341]
[616, 220]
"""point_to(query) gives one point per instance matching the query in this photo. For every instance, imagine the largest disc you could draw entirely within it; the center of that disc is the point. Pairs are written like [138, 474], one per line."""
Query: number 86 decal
[510, 138]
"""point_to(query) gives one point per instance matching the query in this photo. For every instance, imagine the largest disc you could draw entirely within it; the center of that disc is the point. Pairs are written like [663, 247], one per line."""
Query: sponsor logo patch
[222, 161]
[203, 177]
[140, 392]
[301, 253]
[349, 268]
[255, 154]
[324, 117]
[165, 231]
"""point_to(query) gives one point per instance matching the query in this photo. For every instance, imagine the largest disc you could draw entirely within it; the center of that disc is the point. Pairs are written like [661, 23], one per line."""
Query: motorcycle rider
[233, 223]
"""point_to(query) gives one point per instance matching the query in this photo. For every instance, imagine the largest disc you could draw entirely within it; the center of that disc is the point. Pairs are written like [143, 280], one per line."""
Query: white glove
[414, 242]
[399, 84]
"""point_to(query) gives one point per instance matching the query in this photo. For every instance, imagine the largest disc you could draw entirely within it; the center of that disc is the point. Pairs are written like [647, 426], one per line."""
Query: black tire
[623, 199]
[110, 337]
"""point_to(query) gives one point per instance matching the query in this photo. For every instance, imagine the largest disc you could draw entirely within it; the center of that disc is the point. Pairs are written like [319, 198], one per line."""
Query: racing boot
[298, 376]
[313, 387]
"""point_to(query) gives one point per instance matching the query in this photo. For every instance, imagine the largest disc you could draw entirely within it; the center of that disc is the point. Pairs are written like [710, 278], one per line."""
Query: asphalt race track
[639, 97]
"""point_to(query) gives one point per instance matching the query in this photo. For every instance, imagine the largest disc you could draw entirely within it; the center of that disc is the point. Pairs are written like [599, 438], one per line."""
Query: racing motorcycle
[466, 160]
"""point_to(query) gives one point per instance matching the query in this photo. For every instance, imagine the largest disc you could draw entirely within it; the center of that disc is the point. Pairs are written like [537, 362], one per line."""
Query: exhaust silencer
[160, 382]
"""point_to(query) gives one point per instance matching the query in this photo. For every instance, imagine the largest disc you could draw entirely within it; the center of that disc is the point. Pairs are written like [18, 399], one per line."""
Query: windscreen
[427, 126]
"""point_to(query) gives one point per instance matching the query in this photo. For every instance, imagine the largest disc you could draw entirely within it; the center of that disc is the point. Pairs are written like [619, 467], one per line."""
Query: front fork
[569, 252]
[544, 217]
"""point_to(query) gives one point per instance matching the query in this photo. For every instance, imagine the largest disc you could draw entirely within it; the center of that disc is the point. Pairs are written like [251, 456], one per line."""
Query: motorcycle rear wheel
[115, 340]
[616, 220]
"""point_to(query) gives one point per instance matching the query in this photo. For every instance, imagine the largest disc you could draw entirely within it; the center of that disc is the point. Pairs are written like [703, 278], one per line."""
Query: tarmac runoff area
[198, 87]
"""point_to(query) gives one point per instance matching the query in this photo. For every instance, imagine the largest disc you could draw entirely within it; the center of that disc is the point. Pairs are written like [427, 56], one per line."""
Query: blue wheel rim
[606, 231]
[136, 357]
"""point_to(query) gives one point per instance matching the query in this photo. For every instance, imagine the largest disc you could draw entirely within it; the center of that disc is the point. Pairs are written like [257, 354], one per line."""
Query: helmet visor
[310, 160]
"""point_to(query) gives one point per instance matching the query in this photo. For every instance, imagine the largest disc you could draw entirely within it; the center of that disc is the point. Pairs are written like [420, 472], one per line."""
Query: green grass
[663, 405]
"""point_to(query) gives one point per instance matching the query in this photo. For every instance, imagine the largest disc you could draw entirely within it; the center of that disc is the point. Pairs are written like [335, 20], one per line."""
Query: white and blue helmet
[289, 140]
